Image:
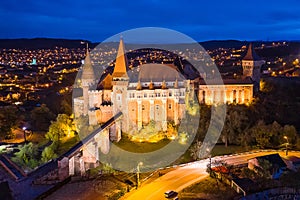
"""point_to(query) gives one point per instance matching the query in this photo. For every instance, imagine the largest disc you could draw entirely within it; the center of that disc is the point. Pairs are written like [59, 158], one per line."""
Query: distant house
[277, 165]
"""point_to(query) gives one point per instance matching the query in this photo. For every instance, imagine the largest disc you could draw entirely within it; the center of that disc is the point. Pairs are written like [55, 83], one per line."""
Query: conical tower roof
[120, 69]
[87, 69]
[251, 55]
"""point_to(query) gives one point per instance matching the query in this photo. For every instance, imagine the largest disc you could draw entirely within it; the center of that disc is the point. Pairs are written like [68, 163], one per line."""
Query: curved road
[189, 174]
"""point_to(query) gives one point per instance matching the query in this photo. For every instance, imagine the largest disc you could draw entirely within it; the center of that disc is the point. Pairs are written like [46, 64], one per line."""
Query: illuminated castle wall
[157, 95]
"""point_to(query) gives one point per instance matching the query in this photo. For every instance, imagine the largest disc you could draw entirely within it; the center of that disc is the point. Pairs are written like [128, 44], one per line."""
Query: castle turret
[120, 82]
[120, 69]
[251, 64]
[88, 80]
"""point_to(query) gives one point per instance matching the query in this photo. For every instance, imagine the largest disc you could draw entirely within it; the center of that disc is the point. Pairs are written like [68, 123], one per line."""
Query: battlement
[106, 107]
[95, 92]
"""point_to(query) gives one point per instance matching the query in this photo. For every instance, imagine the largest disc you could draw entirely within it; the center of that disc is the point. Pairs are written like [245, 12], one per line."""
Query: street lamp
[138, 174]
[24, 134]
[286, 145]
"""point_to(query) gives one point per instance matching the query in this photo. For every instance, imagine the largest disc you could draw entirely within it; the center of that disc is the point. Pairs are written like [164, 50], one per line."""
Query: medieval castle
[158, 93]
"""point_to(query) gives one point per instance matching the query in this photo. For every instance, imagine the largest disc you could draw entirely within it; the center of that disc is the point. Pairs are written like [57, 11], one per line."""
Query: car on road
[170, 194]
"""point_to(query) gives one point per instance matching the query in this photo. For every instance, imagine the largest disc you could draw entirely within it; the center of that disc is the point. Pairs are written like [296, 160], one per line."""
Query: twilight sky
[97, 20]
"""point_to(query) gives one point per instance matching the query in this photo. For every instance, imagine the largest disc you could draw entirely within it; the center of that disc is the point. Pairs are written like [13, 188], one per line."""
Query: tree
[262, 134]
[63, 126]
[276, 131]
[82, 126]
[66, 107]
[272, 135]
[9, 119]
[171, 131]
[192, 105]
[291, 133]
[49, 153]
[41, 117]
[298, 143]
[195, 150]
[235, 123]
[27, 156]
[204, 121]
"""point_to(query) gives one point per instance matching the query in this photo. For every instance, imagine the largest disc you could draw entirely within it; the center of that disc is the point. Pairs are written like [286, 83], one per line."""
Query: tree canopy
[9, 119]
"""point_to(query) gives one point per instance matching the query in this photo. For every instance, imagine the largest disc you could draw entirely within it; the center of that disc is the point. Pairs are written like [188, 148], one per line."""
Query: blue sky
[97, 20]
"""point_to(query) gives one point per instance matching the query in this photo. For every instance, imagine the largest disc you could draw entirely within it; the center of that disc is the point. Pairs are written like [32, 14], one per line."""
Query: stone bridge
[85, 154]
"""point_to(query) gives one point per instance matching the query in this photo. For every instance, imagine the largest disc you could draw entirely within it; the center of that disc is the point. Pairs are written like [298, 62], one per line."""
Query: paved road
[187, 175]
[175, 180]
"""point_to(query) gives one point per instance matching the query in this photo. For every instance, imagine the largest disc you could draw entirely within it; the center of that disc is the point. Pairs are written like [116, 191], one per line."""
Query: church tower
[87, 80]
[251, 64]
[120, 82]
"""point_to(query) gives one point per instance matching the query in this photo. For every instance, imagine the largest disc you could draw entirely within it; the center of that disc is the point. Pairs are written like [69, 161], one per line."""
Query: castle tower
[120, 82]
[251, 64]
[87, 79]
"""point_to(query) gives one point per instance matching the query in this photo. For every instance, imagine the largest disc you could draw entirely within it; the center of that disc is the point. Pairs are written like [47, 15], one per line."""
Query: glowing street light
[286, 144]
[24, 133]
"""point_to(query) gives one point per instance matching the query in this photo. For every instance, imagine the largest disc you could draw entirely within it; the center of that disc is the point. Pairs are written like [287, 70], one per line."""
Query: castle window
[157, 107]
[234, 96]
[203, 96]
[240, 96]
[143, 107]
[145, 95]
[118, 97]
[170, 106]
[170, 94]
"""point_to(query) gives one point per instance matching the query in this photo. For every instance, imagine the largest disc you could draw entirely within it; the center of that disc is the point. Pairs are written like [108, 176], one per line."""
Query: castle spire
[120, 70]
[151, 85]
[87, 69]
[139, 85]
[176, 83]
[251, 55]
[164, 85]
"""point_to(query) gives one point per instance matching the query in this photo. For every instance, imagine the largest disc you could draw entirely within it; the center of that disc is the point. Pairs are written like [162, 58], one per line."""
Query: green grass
[140, 147]
[208, 187]
[39, 138]
[222, 150]
[67, 144]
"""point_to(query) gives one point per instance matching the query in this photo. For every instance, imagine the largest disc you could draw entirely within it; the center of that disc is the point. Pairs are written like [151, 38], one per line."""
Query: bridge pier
[85, 154]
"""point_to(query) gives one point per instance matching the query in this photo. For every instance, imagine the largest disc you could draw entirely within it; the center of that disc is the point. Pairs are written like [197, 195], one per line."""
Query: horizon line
[140, 42]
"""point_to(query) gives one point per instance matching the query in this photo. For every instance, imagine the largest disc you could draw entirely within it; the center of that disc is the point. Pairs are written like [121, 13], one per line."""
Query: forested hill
[50, 43]
[41, 43]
